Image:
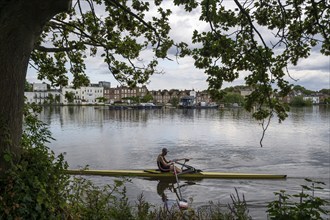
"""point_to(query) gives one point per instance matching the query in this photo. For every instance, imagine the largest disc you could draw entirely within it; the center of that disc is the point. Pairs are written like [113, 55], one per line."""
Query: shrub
[299, 101]
[308, 206]
[35, 186]
[237, 210]
[88, 201]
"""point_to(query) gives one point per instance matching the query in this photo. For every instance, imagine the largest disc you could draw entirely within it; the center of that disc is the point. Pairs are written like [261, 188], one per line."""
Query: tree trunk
[21, 23]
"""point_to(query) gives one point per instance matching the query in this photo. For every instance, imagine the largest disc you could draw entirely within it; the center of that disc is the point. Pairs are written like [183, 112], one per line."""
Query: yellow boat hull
[157, 174]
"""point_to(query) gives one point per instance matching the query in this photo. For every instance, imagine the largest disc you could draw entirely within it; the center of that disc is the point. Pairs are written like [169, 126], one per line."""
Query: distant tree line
[232, 95]
[299, 100]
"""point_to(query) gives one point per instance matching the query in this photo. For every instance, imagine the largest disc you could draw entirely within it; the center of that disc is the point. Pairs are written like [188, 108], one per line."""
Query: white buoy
[183, 204]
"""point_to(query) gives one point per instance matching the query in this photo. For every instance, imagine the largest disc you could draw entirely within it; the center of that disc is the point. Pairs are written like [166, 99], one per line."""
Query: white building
[192, 93]
[83, 95]
[314, 99]
[39, 87]
[29, 97]
[41, 94]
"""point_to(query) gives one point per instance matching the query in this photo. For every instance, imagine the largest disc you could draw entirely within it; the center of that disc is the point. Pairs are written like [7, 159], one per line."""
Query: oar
[185, 159]
[189, 168]
[182, 164]
[183, 204]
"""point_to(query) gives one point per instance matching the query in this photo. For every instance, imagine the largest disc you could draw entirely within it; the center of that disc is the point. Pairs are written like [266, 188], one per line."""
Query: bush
[88, 201]
[35, 187]
[299, 101]
[237, 210]
[308, 206]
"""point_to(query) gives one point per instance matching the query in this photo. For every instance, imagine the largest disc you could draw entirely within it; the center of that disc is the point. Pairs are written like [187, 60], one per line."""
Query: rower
[165, 165]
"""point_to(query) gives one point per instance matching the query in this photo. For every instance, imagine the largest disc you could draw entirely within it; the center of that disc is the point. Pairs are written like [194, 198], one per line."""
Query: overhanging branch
[53, 50]
[125, 9]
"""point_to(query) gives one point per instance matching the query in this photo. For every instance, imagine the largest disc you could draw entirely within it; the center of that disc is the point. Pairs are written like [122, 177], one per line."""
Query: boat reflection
[169, 188]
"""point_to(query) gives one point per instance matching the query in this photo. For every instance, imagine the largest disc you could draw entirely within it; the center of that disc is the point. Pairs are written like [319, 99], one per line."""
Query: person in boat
[166, 165]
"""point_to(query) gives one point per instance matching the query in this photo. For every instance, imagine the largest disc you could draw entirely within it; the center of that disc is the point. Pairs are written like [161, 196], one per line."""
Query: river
[217, 140]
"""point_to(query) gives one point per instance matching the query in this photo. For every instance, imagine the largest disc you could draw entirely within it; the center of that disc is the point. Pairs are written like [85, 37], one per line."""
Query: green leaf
[7, 157]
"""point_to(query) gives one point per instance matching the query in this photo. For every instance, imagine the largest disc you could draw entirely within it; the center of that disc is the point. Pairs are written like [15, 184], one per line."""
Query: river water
[216, 140]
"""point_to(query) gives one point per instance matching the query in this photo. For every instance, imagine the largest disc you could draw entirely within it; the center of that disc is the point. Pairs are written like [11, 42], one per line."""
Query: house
[314, 98]
[82, 95]
[42, 95]
[123, 93]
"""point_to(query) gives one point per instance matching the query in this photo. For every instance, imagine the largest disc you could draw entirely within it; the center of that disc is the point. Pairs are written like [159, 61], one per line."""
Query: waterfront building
[157, 95]
[203, 97]
[104, 84]
[102, 93]
[160, 96]
[84, 95]
[313, 98]
[41, 94]
[124, 93]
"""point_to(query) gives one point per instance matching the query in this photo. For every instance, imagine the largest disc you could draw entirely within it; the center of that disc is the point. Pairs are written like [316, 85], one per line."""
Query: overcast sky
[312, 73]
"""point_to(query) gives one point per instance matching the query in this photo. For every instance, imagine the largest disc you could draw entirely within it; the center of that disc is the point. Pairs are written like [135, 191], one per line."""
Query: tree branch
[117, 4]
[53, 50]
[251, 23]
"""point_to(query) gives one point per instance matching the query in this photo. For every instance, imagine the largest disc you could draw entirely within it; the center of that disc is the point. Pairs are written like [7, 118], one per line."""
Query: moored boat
[138, 106]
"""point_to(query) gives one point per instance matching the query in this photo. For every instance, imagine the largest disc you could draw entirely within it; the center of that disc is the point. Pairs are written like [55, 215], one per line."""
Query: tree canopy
[258, 39]
[116, 31]
[238, 42]
[57, 36]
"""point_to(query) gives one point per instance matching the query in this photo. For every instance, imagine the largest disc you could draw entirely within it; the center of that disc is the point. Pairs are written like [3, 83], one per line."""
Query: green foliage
[35, 132]
[308, 207]
[137, 99]
[299, 101]
[28, 87]
[101, 99]
[50, 98]
[69, 96]
[325, 91]
[237, 210]
[147, 98]
[303, 90]
[88, 201]
[326, 101]
[57, 98]
[117, 32]
[231, 98]
[34, 187]
[235, 46]
[143, 208]
[174, 101]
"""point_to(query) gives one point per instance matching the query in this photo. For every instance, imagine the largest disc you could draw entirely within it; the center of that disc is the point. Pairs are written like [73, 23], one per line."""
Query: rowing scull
[157, 174]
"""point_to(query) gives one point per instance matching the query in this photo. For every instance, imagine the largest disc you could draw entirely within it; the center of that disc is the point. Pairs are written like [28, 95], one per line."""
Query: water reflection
[128, 115]
[310, 114]
[165, 185]
[168, 190]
